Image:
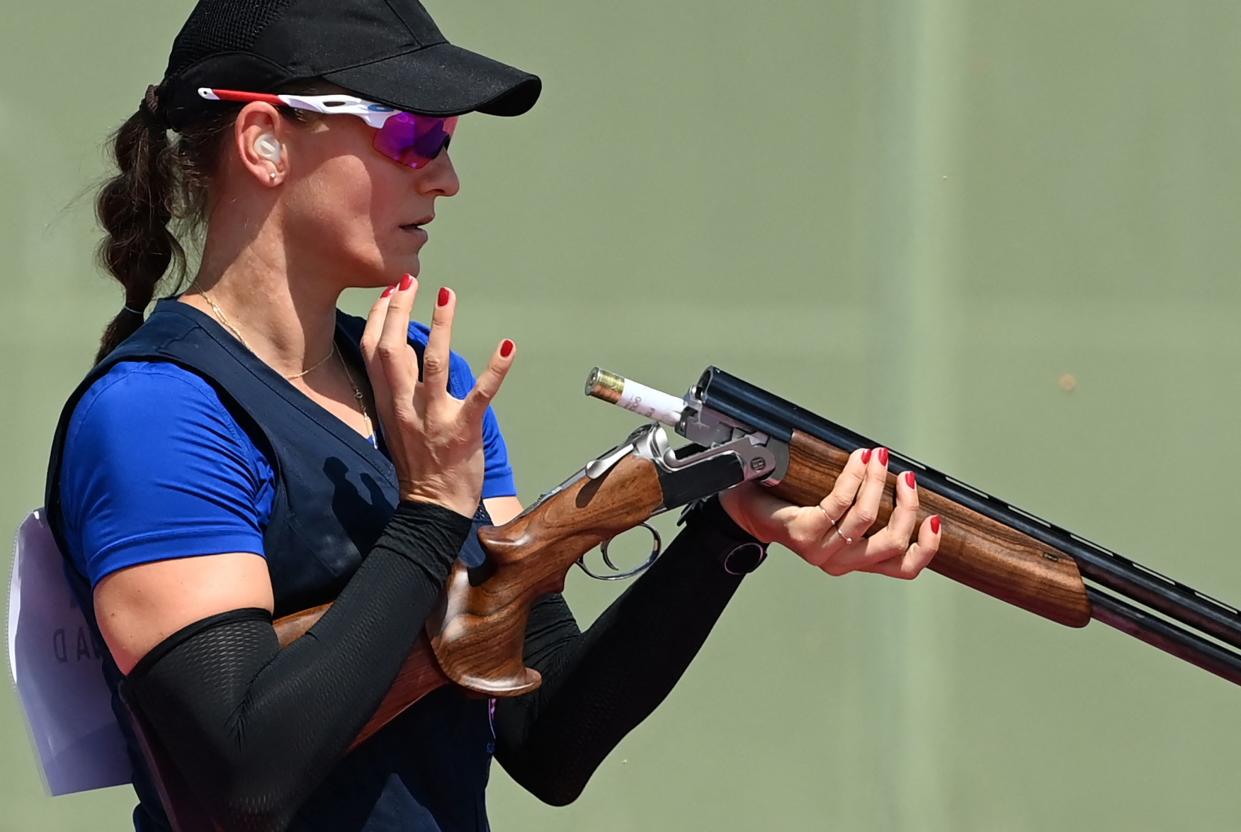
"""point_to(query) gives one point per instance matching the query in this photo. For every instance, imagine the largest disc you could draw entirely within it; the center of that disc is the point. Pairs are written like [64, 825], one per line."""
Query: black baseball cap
[387, 51]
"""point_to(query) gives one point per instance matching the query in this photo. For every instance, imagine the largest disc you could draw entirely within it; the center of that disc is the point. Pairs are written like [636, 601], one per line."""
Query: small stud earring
[271, 175]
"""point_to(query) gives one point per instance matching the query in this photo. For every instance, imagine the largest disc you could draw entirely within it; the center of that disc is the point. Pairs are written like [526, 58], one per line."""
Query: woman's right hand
[435, 439]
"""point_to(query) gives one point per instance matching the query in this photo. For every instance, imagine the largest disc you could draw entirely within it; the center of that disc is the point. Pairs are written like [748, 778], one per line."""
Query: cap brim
[442, 80]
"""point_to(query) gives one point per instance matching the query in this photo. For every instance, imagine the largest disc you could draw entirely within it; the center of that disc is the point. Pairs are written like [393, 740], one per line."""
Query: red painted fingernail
[506, 348]
[444, 296]
[389, 291]
[406, 282]
[883, 457]
[910, 479]
[866, 456]
[935, 524]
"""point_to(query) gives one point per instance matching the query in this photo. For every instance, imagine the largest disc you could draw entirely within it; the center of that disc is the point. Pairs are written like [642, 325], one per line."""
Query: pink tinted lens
[414, 140]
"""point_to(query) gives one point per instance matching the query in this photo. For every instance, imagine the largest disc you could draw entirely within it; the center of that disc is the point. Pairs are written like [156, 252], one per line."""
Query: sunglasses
[408, 139]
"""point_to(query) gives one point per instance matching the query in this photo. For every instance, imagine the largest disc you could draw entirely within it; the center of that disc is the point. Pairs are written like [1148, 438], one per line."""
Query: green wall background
[912, 217]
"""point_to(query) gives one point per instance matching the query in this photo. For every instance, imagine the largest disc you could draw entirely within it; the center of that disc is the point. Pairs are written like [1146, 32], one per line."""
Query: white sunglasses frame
[375, 115]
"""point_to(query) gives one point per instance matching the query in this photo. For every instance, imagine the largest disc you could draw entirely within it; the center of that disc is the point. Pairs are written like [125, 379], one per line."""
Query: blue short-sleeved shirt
[157, 467]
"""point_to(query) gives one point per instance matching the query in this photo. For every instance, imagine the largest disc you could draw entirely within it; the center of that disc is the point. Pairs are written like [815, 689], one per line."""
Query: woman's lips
[417, 226]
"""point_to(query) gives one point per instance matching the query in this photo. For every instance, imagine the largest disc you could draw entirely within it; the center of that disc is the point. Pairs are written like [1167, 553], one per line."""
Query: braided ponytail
[135, 208]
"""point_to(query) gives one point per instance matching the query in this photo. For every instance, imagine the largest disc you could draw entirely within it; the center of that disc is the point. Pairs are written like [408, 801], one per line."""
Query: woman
[248, 451]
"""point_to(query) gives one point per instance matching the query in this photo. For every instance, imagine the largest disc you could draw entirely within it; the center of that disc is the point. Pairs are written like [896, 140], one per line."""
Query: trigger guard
[656, 548]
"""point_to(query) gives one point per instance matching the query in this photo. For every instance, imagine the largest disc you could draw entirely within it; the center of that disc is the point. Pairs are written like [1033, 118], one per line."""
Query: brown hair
[158, 198]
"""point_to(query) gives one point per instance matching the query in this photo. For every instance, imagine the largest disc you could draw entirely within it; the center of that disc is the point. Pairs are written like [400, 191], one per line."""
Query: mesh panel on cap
[221, 25]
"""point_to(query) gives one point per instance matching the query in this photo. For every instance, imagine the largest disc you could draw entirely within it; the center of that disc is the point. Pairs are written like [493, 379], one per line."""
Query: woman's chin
[408, 264]
[384, 275]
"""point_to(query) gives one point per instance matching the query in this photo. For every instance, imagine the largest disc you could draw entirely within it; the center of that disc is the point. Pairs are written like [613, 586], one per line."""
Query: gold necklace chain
[219, 313]
[316, 365]
[358, 395]
[361, 398]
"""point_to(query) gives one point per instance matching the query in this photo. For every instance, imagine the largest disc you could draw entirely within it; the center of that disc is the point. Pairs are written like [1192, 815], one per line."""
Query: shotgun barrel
[1114, 574]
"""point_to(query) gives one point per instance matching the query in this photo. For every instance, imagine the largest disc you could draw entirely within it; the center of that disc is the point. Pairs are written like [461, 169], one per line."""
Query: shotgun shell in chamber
[634, 397]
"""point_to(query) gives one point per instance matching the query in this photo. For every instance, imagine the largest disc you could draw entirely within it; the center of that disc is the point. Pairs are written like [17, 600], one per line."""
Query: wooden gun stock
[478, 632]
[974, 550]
[476, 637]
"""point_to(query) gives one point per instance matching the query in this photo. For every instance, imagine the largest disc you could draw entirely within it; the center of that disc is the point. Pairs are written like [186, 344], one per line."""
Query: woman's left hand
[831, 535]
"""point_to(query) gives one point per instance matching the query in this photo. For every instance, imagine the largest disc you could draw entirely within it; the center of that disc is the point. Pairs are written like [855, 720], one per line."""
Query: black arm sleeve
[598, 685]
[254, 728]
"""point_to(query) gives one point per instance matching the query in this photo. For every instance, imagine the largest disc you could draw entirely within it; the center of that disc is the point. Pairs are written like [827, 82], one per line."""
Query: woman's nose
[439, 176]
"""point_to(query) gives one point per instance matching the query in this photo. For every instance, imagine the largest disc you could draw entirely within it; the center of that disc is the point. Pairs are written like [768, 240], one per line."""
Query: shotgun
[736, 432]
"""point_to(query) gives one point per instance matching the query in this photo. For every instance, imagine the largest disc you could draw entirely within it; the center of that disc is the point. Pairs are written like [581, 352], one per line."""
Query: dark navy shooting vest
[427, 770]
